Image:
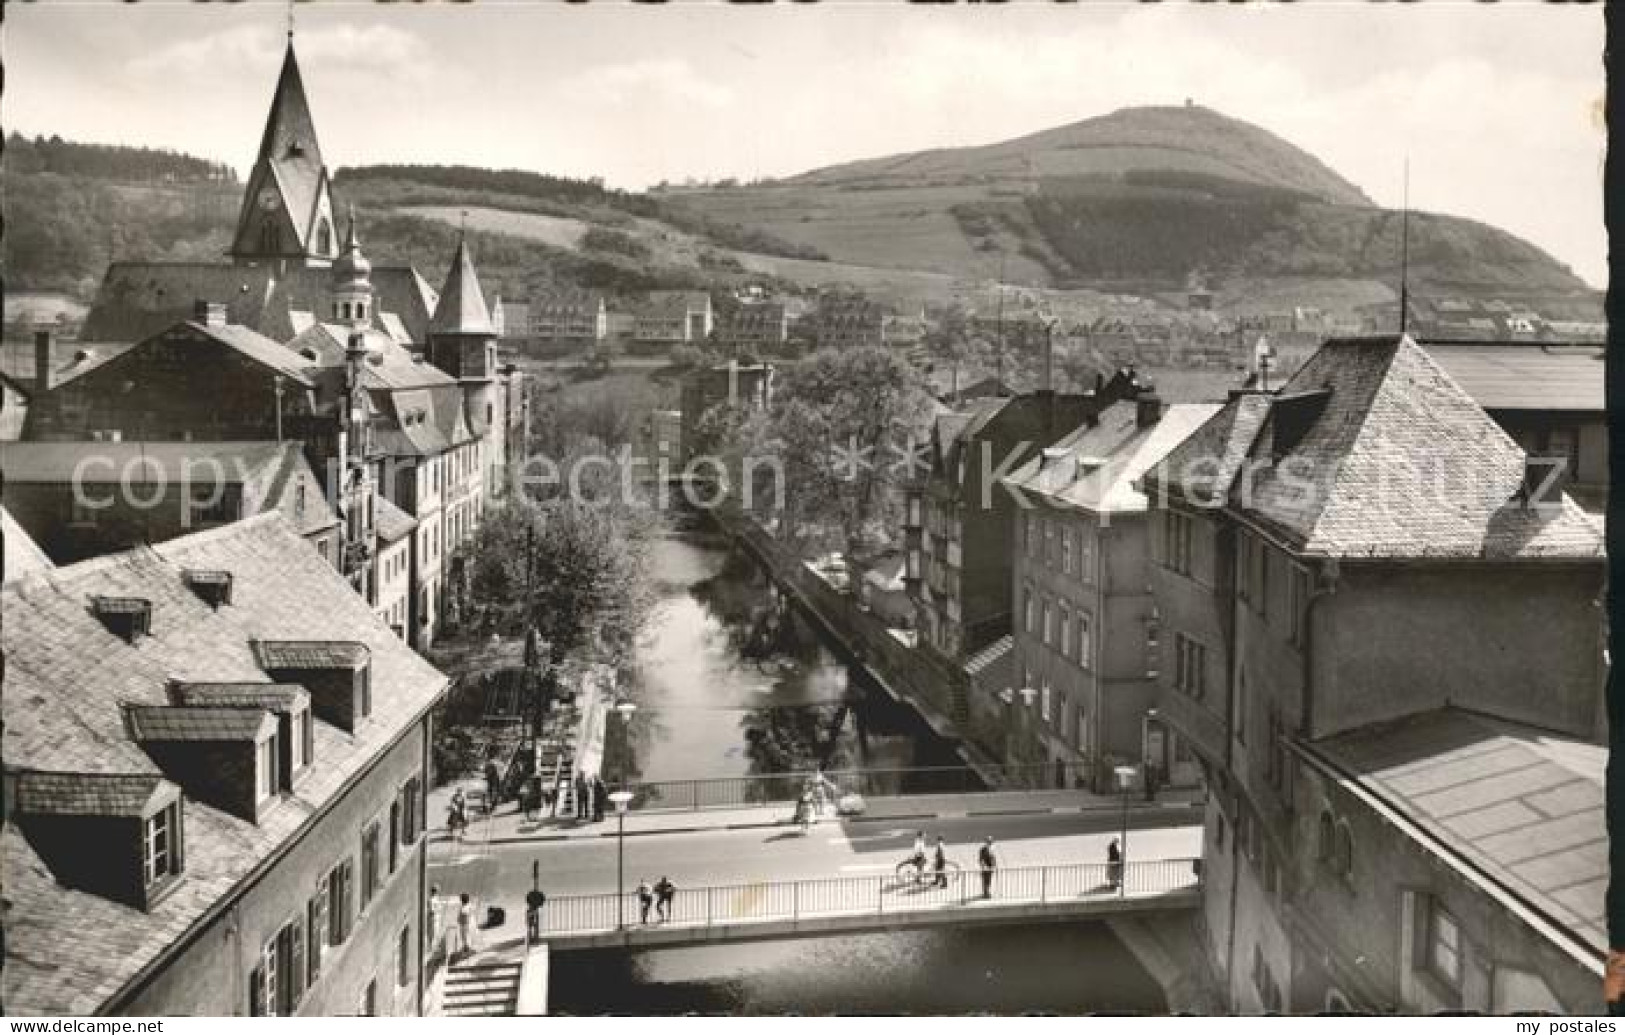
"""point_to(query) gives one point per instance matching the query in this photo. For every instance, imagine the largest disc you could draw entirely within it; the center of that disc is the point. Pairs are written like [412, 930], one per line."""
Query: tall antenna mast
[1405, 253]
[290, 21]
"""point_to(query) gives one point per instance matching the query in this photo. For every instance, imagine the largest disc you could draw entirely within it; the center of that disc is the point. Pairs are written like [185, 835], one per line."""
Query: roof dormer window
[128, 618]
[211, 587]
[291, 704]
[338, 674]
[212, 752]
[134, 820]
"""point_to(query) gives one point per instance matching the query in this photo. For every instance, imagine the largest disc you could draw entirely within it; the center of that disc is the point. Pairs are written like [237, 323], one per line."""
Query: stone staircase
[482, 989]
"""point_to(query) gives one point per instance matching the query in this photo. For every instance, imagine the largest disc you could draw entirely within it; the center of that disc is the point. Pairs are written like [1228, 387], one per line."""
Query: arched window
[1343, 862]
[324, 237]
[269, 238]
[1324, 846]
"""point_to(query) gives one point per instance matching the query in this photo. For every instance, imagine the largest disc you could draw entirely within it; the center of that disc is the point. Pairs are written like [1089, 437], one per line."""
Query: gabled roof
[1096, 467]
[1372, 451]
[289, 163]
[68, 681]
[462, 308]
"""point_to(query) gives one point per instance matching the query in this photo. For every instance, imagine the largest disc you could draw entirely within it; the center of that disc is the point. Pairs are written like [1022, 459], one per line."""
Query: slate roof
[1121, 448]
[86, 794]
[56, 462]
[1523, 806]
[198, 723]
[23, 557]
[391, 522]
[67, 682]
[290, 158]
[462, 308]
[138, 299]
[1372, 451]
[275, 697]
[311, 654]
[1516, 376]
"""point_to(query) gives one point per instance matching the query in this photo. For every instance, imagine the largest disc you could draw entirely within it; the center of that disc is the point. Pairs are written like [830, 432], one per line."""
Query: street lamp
[621, 799]
[1151, 751]
[1125, 784]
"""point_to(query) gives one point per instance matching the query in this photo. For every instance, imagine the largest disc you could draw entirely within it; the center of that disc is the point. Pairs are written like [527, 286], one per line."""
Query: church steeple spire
[287, 210]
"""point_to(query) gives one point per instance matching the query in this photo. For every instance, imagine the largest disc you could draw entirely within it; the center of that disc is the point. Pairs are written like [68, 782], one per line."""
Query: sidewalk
[509, 825]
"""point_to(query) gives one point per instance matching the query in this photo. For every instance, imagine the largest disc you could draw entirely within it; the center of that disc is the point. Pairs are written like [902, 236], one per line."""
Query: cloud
[378, 50]
[656, 81]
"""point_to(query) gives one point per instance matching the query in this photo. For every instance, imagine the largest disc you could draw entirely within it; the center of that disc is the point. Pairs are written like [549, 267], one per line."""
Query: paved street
[499, 874]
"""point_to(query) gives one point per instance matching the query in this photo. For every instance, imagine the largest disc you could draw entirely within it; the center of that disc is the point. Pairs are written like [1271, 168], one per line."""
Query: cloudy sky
[1498, 107]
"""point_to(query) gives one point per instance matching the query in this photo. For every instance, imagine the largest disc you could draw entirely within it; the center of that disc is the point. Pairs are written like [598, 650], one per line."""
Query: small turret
[351, 284]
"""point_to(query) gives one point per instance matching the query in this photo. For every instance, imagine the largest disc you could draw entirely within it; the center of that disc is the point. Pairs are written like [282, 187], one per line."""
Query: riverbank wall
[939, 693]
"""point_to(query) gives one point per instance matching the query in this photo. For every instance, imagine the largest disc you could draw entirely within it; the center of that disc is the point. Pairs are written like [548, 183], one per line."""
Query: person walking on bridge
[941, 863]
[665, 891]
[987, 862]
[1114, 864]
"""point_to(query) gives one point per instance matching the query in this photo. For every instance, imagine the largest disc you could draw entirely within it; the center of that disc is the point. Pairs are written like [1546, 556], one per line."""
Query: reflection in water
[1053, 968]
[729, 683]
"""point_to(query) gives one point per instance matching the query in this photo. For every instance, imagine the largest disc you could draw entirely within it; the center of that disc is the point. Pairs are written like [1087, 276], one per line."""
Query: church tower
[287, 214]
[463, 343]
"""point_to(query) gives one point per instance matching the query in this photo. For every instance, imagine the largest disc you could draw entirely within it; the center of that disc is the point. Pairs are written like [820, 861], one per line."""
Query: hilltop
[1190, 139]
[1138, 202]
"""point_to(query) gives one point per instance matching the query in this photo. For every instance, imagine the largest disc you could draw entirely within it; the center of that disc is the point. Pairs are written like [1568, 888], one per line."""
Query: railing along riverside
[723, 792]
[888, 894]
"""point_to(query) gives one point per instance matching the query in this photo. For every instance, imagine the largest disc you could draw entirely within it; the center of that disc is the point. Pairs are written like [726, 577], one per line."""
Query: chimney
[1147, 410]
[209, 314]
[43, 360]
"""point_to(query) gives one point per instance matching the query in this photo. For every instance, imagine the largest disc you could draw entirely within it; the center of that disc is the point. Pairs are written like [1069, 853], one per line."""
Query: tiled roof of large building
[138, 299]
[1513, 376]
[234, 462]
[68, 683]
[1522, 806]
[1096, 467]
[1372, 451]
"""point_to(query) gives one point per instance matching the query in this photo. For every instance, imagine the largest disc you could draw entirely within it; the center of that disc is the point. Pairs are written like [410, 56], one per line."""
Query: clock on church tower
[269, 199]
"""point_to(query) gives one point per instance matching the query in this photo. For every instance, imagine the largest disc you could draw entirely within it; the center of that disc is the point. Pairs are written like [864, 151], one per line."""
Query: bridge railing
[785, 788]
[875, 895]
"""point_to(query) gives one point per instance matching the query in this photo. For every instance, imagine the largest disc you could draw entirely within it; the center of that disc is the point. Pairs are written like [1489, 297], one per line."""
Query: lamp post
[1125, 784]
[621, 799]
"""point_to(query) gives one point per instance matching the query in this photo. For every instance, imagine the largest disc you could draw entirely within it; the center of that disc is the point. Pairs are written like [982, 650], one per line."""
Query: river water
[725, 689]
[729, 685]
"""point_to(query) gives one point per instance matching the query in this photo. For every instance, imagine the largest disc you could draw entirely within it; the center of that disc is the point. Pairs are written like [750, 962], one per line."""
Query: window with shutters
[1049, 624]
[1086, 640]
[414, 810]
[1044, 697]
[1066, 630]
[394, 834]
[279, 983]
[1176, 542]
[1066, 552]
[267, 782]
[403, 957]
[1029, 611]
[369, 864]
[316, 926]
[341, 899]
